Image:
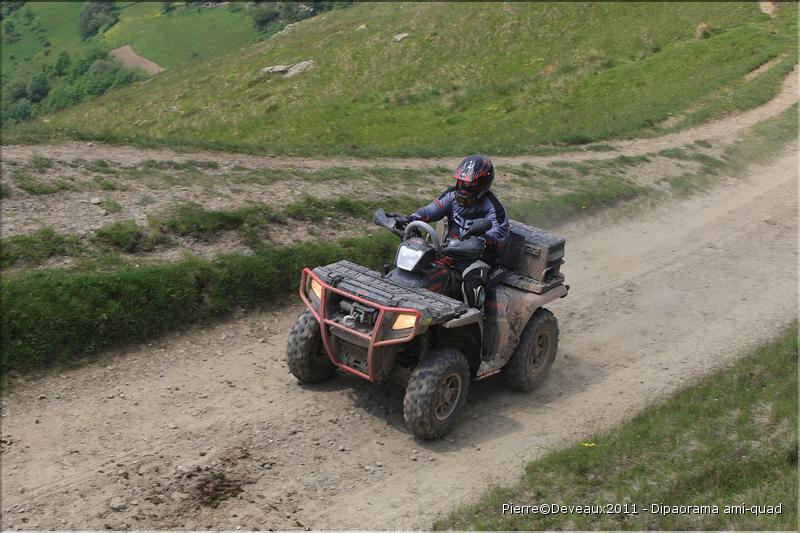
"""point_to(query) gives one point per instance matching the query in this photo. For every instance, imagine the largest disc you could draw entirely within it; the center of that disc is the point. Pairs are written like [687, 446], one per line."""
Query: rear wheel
[305, 353]
[535, 352]
[436, 393]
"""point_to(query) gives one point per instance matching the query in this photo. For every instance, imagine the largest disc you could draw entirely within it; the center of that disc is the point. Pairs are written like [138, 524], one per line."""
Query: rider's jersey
[459, 219]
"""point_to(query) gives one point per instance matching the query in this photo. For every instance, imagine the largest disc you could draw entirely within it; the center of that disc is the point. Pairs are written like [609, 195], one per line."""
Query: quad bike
[410, 322]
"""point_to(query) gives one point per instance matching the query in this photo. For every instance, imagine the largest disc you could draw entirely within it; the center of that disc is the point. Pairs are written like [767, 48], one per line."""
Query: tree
[100, 77]
[263, 15]
[96, 16]
[63, 62]
[16, 89]
[38, 87]
[61, 96]
[27, 16]
[9, 7]
[17, 111]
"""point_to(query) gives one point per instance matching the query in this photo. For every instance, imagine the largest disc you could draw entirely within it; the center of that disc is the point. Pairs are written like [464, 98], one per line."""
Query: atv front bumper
[364, 340]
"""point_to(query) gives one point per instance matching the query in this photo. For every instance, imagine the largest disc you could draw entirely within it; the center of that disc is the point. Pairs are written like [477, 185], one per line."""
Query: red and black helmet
[474, 177]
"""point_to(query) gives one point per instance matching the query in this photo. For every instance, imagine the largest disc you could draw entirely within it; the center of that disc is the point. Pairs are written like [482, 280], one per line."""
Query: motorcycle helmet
[474, 176]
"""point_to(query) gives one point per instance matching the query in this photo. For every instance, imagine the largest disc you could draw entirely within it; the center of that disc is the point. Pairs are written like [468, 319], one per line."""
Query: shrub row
[56, 316]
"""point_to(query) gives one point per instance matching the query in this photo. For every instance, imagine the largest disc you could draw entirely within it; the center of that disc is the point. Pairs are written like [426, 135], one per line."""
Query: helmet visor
[468, 192]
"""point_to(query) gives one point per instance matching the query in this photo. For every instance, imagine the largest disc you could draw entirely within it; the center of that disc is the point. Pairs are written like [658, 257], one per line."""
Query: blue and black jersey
[459, 219]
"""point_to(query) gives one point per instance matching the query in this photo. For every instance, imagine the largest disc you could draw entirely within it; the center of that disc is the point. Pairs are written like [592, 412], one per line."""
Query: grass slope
[536, 73]
[729, 440]
[58, 20]
[178, 38]
[182, 36]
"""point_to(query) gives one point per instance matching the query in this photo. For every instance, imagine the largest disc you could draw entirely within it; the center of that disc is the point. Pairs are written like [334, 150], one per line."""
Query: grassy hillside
[499, 78]
[59, 25]
[181, 36]
[168, 39]
[730, 440]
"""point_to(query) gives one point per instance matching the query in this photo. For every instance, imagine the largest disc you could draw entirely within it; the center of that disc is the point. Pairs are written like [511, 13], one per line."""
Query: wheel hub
[447, 396]
[540, 348]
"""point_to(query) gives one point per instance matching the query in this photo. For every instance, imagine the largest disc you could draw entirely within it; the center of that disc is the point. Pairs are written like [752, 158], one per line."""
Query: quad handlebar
[418, 224]
[463, 247]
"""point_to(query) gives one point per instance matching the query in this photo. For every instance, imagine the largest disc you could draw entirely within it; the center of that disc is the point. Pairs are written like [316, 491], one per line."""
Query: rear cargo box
[534, 254]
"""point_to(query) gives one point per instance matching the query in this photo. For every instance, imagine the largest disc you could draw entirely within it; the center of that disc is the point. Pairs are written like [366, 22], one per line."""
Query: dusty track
[205, 429]
[722, 131]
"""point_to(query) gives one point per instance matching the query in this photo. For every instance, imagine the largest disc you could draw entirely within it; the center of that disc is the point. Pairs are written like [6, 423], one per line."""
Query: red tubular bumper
[372, 337]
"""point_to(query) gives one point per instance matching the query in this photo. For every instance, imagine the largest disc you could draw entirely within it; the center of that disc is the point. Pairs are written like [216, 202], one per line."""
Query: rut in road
[206, 428]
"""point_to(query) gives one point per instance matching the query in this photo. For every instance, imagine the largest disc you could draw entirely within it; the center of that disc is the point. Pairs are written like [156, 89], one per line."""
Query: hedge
[56, 316]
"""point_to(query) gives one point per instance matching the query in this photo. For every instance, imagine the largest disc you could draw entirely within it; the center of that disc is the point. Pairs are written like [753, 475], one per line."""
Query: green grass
[125, 235]
[59, 20]
[728, 440]
[685, 185]
[40, 163]
[764, 141]
[110, 205]
[192, 219]
[201, 33]
[36, 248]
[191, 164]
[58, 316]
[588, 197]
[37, 186]
[741, 96]
[597, 71]
[105, 183]
[317, 210]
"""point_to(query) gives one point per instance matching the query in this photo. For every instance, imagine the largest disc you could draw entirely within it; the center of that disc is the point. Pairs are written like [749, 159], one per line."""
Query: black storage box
[534, 253]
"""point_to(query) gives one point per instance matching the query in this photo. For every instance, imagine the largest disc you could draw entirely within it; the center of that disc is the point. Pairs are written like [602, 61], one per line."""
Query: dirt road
[206, 428]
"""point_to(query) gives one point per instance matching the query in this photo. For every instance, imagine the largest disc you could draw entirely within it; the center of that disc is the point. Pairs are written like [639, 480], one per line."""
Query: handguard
[469, 248]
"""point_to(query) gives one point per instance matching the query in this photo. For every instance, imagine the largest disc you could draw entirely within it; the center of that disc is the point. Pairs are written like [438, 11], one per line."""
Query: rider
[469, 200]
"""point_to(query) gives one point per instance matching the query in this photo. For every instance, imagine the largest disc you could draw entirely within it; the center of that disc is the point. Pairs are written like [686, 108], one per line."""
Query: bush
[16, 89]
[61, 96]
[263, 15]
[91, 75]
[96, 16]
[10, 6]
[8, 27]
[100, 77]
[62, 64]
[38, 87]
[124, 235]
[17, 111]
[57, 315]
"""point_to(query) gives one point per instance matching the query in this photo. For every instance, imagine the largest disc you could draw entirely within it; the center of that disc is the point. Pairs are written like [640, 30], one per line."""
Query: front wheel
[535, 352]
[305, 353]
[436, 393]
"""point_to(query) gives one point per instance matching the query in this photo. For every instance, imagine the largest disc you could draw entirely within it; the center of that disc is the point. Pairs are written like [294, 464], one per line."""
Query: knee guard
[473, 284]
